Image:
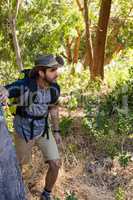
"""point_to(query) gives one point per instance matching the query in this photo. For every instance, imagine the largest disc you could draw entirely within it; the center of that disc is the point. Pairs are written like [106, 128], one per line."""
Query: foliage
[74, 83]
[70, 196]
[72, 103]
[118, 70]
[43, 26]
[124, 159]
[119, 194]
[109, 113]
[65, 126]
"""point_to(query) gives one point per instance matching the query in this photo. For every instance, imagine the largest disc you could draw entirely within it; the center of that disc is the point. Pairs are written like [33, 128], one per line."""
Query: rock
[108, 164]
[91, 168]
[11, 184]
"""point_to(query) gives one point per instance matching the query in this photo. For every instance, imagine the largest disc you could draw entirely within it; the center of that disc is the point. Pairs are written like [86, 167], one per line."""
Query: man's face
[50, 75]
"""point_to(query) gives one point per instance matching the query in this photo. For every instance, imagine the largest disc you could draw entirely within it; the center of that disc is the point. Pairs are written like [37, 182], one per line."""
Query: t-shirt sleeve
[55, 93]
[15, 88]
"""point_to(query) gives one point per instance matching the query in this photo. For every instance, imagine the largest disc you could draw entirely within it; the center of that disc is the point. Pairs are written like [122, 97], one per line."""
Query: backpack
[15, 101]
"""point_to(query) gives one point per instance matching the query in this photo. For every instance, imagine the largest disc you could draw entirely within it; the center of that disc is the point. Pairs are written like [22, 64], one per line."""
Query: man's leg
[51, 155]
[52, 174]
[23, 151]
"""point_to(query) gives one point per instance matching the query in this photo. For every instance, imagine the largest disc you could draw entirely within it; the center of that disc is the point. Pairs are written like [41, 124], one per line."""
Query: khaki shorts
[48, 148]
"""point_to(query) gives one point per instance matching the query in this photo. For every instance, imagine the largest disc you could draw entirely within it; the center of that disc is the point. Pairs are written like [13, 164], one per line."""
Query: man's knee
[54, 165]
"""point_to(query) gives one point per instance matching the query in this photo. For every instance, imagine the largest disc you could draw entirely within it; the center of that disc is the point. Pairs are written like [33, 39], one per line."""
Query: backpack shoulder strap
[32, 90]
[54, 92]
[24, 73]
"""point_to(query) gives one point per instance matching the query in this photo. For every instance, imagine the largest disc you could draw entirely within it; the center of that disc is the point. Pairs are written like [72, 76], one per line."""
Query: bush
[119, 194]
[70, 196]
[124, 159]
[111, 113]
[65, 125]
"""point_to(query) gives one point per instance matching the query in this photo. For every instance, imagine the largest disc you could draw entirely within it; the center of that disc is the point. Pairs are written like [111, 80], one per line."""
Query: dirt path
[89, 182]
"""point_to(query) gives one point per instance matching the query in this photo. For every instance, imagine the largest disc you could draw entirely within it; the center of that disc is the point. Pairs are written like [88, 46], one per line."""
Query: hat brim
[50, 65]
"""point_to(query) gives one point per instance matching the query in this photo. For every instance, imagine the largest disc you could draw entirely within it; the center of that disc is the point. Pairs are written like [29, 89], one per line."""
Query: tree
[13, 12]
[69, 28]
[99, 49]
[101, 46]
[11, 49]
[89, 51]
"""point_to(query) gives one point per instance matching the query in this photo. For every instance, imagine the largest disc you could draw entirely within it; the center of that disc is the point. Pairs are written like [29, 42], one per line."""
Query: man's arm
[54, 114]
[3, 95]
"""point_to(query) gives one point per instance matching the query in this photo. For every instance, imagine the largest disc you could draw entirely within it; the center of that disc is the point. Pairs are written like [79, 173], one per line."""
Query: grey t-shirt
[38, 108]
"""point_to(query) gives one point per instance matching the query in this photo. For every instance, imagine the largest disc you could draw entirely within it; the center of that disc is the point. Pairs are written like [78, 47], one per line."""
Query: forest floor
[85, 171]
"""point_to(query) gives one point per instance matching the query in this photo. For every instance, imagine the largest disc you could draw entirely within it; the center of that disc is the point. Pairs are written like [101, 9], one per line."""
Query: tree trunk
[12, 20]
[89, 55]
[15, 42]
[76, 48]
[99, 50]
[80, 6]
[112, 42]
[116, 50]
[68, 50]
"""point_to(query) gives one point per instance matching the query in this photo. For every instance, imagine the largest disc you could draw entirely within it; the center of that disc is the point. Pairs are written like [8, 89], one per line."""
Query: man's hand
[3, 95]
[58, 138]
[54, 113]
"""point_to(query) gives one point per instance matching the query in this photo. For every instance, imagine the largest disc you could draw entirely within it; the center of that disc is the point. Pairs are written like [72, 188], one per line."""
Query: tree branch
[88, 35]
[18, 4]
[81, 8]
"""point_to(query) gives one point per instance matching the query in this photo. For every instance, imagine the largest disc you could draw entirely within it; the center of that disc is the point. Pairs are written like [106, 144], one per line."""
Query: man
[39, 95]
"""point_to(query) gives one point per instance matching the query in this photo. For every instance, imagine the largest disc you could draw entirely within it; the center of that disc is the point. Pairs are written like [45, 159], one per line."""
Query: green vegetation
[70, 196]
[65, 125]
[119, 194]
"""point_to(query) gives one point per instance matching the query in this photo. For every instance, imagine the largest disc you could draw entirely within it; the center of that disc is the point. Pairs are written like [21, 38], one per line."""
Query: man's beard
[47, 80]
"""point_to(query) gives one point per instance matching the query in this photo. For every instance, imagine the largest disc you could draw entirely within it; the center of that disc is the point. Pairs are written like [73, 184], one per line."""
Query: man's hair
[34, 73]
